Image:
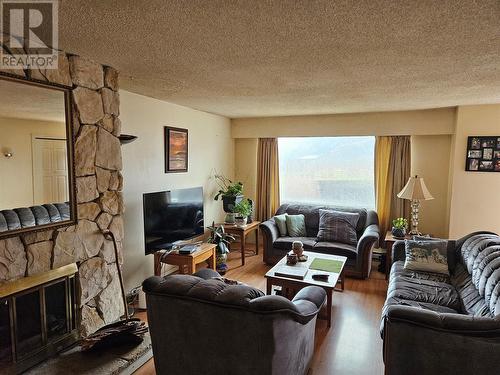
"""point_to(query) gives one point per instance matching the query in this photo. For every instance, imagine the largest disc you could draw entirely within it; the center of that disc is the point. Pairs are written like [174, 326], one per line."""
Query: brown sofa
[358, 257]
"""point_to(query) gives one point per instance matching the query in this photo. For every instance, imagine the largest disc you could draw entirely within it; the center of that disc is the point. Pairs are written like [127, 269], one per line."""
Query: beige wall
[210, 147]
[17, 135]
[475, 196]
[246, 165]
[423, 122]
[430, 159]
[431, 142]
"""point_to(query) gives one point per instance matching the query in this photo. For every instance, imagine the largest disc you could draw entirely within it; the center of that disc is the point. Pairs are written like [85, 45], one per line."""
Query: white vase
[240, 221]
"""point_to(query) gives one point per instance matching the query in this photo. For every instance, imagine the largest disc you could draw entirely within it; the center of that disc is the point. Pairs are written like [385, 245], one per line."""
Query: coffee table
[296, 285]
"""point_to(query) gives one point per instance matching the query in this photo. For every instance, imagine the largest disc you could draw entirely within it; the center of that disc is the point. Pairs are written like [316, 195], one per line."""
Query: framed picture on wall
[176, 149]
[483, 154]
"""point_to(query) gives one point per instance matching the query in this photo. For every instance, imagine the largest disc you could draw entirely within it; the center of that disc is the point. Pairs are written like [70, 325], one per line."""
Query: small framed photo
[473, 164]
[176, 149]
[488, 154]
[475, 143]
[485, 165]
[475, 154]
[483, 154]
[486, 142]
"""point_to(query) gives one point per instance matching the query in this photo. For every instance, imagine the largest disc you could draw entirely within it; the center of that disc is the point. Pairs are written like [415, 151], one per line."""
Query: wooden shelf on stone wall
[12, 287]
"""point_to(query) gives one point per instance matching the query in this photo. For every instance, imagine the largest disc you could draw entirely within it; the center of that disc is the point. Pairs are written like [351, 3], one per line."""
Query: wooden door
[50, 171]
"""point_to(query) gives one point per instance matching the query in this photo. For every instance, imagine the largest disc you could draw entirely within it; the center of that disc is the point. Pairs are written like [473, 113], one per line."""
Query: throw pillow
[427, 256]
[338, 226]
[296, 225]
[280, 221]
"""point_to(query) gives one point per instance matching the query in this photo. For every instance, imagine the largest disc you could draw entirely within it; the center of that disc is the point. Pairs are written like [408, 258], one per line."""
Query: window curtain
[392, 171]
[268, 192]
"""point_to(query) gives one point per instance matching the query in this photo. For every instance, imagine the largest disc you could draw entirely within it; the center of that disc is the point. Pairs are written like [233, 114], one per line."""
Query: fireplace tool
[129, 330]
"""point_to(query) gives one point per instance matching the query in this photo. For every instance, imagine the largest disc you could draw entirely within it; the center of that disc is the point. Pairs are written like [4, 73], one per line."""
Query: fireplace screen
[37, 322]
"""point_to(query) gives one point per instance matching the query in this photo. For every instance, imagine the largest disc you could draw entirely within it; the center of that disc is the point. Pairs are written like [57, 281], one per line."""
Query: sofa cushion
[398, 269]
[285, 243]
[337, 226]
[336, 248]
[426, 291]
[296, 225]
[280, 221]
[427, 256]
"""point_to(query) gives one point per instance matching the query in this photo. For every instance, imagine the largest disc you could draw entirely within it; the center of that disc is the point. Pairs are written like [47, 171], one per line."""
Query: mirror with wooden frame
[37, 189]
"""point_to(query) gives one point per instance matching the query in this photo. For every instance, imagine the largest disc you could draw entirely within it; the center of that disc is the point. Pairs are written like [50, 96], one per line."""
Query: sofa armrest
[315, 296]
[270, 233]
[369, 238]
[303, 308]
[269, 230]
[398, 251]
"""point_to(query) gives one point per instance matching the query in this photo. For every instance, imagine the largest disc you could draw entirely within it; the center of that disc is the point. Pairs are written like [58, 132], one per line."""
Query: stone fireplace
[96, 127]
[38, 317]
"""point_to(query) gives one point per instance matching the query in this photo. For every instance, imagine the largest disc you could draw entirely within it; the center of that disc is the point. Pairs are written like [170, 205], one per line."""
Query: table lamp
[415, 191]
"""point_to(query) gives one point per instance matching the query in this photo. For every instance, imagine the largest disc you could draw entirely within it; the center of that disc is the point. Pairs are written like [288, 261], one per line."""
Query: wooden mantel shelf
[12, 287]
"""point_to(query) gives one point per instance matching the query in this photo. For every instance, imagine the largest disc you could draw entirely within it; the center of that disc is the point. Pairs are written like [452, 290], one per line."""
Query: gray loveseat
[358, 257]
[201, 325]
[434, 324]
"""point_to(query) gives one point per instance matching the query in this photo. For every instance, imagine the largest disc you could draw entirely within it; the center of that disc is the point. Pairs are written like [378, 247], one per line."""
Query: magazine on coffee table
[292, 272]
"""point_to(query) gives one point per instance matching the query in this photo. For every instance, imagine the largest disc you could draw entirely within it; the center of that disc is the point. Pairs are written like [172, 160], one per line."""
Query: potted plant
[243, 209]
[399, 227]
[219, 237]
[231, 194]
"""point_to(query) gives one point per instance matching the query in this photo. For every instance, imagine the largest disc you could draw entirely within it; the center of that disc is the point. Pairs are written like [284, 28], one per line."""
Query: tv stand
[186, 262]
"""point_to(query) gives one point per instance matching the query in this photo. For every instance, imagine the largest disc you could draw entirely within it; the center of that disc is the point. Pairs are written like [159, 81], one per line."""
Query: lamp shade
[415, 189]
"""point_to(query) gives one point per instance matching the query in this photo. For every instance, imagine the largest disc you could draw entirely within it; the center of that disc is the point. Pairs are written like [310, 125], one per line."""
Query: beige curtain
[268, 192]
[392, 170]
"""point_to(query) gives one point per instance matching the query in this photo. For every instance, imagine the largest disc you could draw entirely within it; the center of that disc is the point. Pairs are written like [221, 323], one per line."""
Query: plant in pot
[242, 210]
[231, 194]
[399, 227]
[219, 237]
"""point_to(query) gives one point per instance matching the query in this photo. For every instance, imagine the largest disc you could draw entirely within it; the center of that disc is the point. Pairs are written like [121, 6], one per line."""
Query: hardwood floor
[352, 345]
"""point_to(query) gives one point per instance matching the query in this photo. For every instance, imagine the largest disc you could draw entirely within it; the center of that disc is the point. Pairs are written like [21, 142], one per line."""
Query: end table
[242, 233]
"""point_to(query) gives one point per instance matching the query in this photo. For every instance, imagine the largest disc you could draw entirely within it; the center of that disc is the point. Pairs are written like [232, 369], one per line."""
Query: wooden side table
[242, 233]
[186, 262]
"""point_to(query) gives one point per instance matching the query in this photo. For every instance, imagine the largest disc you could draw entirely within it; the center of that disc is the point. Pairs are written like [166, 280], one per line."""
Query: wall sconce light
[7, 152]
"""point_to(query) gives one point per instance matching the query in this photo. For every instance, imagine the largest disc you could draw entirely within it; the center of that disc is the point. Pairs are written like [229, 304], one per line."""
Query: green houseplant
[243, 209]
[231, 193]
[399, 227]
[222, 240]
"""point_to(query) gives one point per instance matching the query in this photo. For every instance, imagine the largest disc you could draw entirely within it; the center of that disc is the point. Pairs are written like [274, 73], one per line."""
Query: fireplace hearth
[38, 318]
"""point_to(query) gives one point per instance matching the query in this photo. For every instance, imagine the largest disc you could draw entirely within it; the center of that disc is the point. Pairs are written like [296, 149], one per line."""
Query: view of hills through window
[327, 170]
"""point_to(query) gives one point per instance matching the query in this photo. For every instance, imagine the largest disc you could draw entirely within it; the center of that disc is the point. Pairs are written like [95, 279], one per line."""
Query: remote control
[320, 277]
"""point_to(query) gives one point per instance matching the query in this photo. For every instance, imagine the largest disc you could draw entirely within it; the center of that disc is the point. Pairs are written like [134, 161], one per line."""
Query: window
[327, 170]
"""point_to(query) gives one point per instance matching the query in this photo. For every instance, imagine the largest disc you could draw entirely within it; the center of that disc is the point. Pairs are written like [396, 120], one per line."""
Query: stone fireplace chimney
[98, 162]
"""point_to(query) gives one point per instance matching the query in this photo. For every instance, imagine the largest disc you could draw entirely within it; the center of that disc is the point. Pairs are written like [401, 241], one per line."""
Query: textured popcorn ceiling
[268, 58]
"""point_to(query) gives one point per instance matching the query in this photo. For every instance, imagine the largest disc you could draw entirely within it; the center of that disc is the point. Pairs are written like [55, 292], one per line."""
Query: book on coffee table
[292, 272]
[328, 265]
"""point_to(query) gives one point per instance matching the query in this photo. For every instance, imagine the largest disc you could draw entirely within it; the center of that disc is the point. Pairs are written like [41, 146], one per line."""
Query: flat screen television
[171, 216]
